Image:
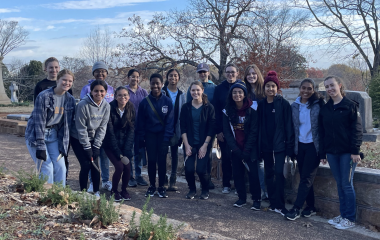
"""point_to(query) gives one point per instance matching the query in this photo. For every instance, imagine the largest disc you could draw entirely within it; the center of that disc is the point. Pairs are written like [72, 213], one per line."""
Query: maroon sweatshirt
[239, 127]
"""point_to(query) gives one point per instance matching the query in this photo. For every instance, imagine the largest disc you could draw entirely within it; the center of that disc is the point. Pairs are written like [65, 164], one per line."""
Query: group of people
[255, 127]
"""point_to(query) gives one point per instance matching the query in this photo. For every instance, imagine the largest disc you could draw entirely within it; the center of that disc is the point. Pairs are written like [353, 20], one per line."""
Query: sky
[58, 27]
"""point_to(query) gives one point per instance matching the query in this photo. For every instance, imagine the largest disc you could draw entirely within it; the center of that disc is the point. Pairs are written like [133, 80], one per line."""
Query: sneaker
[97, 194]
[90, 188]
[151, 191]
[107, 185]
[162, 192]
[132, 182]
[256, 205]
[191, 194]
[335, 221]
[211, 185]
[272, 209]
[308, 212]
[293, 214]
[281, 211]
[116, 196]
[226, 190]
[344, 224]
[204, 195]
[125, 195]
[239, 203]
[141, 181]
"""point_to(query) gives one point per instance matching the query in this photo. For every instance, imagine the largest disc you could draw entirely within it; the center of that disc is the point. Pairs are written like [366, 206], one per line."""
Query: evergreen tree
[374, 93]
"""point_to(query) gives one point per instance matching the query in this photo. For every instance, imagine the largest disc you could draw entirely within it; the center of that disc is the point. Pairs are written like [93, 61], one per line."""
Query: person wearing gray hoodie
[88, 131]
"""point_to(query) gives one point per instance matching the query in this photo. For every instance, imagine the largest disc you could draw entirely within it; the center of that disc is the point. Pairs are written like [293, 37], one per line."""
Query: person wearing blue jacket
[154, 129]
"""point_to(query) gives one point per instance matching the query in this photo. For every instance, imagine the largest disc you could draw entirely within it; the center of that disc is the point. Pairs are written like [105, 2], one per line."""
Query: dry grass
[371, 151]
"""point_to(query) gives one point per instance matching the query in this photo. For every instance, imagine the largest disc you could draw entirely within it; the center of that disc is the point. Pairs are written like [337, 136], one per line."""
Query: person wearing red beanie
[276, 140]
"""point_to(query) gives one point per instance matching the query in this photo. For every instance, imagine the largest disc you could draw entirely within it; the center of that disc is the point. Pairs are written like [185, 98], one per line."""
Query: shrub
[59, 195]
[31, 181]
[374, 93]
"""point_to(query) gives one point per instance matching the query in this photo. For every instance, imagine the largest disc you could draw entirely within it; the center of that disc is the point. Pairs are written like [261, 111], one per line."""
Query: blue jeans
[260, 168]
[104, 166]
[340, 165]
[55, 171]
[139, 159]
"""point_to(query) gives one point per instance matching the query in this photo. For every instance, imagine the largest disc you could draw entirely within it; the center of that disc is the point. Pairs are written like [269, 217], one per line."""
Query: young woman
[47, 132]
[255, 91]
[86, 137]
[219, 102]
[276, 140]
[340, 137]
[197, 128]
[241, 133]
[118, 142]
[137, 94]
[100, 72]
[305, 112]
[178, 99]
[154, 129]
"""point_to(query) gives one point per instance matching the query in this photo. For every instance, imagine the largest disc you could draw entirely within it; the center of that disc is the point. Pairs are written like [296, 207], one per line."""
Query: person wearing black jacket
[219, 103]
[197, 122]
[340, 138]
[118, 142]
[240, 131]
[154, 129]
[276, 140]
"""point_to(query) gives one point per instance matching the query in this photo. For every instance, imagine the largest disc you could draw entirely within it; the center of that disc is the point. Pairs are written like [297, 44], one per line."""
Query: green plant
[59, 195]
[86, 205]
[148, 229]
[107, 211]
[374, 93]
[2, 170]
[31, 181]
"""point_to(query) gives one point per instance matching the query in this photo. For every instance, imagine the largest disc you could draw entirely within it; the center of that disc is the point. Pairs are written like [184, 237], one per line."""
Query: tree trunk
[4, 99]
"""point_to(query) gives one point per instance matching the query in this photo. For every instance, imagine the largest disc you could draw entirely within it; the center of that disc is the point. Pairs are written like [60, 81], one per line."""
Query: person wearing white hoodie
[91, 118]
[305, 112]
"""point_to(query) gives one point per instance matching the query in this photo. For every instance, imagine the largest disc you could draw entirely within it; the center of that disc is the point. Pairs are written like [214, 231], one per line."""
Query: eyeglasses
[232, 73]
[100, 71]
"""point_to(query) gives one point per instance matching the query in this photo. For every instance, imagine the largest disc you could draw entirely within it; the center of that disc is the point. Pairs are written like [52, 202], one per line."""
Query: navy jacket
[219, 102]
[147, 120]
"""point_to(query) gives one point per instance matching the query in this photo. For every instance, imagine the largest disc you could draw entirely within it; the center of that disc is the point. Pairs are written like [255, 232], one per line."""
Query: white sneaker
[90, 188]
[97, 194]
[226, 190]
[344, 224]
[107, 185]
[335, 221]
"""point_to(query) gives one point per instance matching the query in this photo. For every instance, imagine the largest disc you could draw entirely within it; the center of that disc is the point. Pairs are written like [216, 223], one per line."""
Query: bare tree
[350, 23]
[71, 63]
[12, 36]
[98, 46]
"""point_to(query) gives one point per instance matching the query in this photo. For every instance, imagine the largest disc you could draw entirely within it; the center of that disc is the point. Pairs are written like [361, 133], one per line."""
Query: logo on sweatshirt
[165, 109]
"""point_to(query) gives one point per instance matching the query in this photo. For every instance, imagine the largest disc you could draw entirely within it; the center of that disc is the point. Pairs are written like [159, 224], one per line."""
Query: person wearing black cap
[276, 140]
[241, 133]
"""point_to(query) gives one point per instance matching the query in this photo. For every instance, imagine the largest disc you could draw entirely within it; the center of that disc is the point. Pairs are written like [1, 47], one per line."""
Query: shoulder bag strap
[154, 110]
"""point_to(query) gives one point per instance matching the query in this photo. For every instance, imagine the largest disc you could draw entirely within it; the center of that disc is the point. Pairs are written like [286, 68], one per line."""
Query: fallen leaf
[307, 225]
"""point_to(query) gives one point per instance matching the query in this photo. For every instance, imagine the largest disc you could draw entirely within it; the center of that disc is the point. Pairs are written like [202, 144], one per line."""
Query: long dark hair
[231, 107]
[167, 76]
[204, 96]
[129, 110]
[130, 72]
[316, 95]
[98, 82]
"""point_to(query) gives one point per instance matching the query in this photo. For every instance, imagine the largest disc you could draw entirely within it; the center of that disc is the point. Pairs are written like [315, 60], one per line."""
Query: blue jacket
[219, 103]
[42, 112]
[147, 120]
[209, 91]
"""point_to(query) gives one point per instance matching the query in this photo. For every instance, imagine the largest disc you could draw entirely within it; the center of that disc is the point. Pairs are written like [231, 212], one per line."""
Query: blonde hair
[49, 60]
[259, 86]
[63, 72]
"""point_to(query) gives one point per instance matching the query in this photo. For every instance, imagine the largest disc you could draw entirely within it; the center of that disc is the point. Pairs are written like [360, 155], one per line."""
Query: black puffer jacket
[340, 130]
[284, 133]
[120, 135]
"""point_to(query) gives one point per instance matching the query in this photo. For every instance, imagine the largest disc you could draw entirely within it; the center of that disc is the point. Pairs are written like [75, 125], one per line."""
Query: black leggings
[156, 156]
[85, 166]
[202, 165]
[226, 163]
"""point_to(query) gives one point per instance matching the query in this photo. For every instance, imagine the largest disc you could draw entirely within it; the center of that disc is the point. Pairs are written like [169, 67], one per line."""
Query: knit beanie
[99, 65]
[240, 85]
[272, 77]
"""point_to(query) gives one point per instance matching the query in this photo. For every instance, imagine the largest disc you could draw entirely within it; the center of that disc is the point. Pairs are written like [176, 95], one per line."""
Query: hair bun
[272, 73]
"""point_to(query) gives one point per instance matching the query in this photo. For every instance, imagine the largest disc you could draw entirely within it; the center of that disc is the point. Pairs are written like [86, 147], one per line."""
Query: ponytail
[204, 98]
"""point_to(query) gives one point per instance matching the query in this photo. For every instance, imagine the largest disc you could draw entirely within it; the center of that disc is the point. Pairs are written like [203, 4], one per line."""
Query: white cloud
[8, 10]
[50, 27]
[95, 4]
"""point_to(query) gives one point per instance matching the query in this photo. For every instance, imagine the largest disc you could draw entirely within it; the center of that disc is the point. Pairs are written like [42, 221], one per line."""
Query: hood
[298, 101]
[247, 104]
[89, 100]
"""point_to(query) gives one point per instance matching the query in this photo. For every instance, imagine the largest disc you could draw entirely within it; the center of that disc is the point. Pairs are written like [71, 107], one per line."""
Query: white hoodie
[305, 135]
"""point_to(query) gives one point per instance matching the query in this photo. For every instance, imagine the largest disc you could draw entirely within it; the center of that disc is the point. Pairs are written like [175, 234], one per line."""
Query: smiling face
[122, 97]
[238, 95]
[196, 92]
[52, 70]
[203, 76]
[270, 89]
[155, 86]
[306, 90]
[251, 76]
[98, 93]
[134, 79]
[231, 74]
[65, 82]
[173, 78]
[100, 74]
[333, 88]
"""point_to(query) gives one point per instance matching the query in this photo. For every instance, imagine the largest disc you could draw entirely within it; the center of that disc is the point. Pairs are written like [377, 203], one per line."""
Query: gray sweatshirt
[90, 122]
